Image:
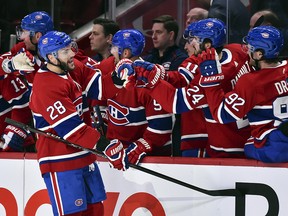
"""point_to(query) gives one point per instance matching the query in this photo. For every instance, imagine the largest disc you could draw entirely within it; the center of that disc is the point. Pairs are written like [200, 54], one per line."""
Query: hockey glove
[137, 150]
[23, 62]
[125, 71]
[210, 68]
[148, 74]
[13, 138]
[116, 155]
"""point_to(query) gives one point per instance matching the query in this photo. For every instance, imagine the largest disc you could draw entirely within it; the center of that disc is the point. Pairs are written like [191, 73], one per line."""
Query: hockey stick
[100, 124]
[224, 192]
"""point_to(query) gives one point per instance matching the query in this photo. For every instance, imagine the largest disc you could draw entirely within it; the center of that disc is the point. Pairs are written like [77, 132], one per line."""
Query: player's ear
[109, 38]
[208, 45]
[258, 55]
[52, 58]
[126, 53]
[38, 35]
[171, 35]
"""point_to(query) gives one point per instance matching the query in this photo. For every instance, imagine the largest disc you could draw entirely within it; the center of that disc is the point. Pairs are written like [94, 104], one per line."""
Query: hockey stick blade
[224, 192]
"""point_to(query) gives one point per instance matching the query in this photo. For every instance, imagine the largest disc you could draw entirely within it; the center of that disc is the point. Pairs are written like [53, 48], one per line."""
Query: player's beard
[67, 66]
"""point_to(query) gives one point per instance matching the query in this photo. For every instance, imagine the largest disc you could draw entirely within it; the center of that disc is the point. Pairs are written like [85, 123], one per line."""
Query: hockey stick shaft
[100, 124]
[225, 192]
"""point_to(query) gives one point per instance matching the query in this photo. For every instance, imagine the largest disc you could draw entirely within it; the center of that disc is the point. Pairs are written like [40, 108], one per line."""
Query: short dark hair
[109, 26]
[272, 18]
[169, 22]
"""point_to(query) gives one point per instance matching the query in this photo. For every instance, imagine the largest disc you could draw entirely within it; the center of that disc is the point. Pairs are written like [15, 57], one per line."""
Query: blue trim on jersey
[122, 115]
[22, 100]
[226, 117]
[207, 113]
[63, 159]
[194, 138]
[68, 125]
[161, 123]
[40, 122]
[258, 115]
[180, 102]
[94, 90]
[136, 116]
[4, 106]
[187, 74]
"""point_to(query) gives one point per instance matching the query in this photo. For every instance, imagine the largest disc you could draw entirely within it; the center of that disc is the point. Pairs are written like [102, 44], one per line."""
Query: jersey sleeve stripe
[94, 87]
[73, 130]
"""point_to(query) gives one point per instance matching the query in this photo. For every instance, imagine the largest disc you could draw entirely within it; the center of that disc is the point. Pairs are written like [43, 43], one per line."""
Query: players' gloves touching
[137, 150]
[13, 138]
[210, 68]
[23, 62]
[148, 74]
[116, 155]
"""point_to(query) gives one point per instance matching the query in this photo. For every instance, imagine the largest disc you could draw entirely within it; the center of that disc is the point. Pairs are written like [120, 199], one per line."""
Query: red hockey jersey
[223, 140]
[56, 102]
[262, 95]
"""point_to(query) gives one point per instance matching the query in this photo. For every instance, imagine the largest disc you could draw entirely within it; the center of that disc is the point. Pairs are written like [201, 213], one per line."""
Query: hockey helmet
[211, 28]
[38, 21]
[53, 41]
[266, 38]
[129, 39]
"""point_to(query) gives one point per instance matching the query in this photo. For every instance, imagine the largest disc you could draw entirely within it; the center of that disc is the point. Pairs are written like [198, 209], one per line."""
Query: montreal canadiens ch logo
[265, 35]
[117, 113]
[45, 41]
[38, 17]
[79, 202]
[209, 24]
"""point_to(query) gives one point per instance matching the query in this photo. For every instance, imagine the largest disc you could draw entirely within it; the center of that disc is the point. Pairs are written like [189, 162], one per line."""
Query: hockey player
[224, 140]
[71, 175]
[135, 118]
[262, 95]
[14, 86]
[100, 42]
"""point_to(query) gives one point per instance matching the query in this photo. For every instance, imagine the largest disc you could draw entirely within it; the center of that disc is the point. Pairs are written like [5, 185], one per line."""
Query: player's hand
[125, 71]
[116, 155]
[13, 138]
[210, 68]
[137, 150]
[148, 74]
[23, 62]
[124, 68]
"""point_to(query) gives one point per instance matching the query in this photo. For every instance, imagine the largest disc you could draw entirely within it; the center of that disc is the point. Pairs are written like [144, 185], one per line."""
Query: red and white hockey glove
[13, 138]
[210, 67]
[148, 74]
[125, 71]
[23, 62]
[137, 150]
[116, 155]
